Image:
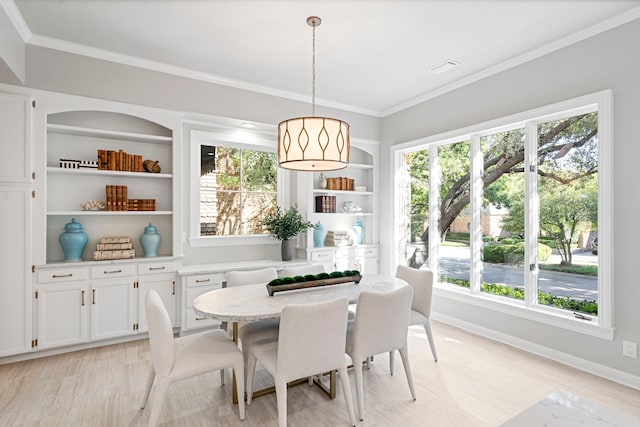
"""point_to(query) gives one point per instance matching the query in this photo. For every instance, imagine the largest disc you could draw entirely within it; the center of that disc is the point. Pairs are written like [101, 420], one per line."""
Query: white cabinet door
[15, 138]
[63, 314]
[165, 285]
[113, 308]
[15, 265]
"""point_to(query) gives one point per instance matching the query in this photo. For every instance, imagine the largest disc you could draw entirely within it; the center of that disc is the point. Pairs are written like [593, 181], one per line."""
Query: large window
[235, 180]
[516, 212]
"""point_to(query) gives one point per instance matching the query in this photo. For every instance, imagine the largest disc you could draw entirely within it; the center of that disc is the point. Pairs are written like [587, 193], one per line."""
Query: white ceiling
[372, 56]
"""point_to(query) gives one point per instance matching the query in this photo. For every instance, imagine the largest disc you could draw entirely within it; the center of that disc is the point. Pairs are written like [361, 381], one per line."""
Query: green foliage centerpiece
[284, 226]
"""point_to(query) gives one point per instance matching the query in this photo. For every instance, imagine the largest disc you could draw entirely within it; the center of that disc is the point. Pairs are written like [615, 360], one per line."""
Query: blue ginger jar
[73, 241]
[150, 241]
[318, 235]
[358, 232]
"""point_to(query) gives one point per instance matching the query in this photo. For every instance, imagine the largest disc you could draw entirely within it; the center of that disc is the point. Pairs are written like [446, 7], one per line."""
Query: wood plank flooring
[476, 382]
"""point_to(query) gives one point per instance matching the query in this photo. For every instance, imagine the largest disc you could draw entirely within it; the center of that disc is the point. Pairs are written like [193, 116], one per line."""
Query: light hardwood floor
[476, 382]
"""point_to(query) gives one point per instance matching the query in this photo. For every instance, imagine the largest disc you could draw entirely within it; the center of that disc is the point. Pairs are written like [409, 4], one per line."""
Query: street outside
[454, 263]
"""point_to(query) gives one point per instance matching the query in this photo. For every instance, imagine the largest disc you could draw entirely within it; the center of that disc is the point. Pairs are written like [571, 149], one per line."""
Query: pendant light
[313, 143]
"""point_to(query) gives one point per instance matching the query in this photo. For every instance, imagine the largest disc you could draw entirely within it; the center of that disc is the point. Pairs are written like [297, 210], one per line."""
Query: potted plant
[284, 226]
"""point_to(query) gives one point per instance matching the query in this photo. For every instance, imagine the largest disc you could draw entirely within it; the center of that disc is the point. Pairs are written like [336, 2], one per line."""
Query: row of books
[116, 197]
[119, 161]
[117, 200]
[114, 248]
[326, 204]
[341, 183]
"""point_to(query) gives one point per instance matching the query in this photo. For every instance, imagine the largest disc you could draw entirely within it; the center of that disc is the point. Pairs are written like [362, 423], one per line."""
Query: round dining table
[250, 303]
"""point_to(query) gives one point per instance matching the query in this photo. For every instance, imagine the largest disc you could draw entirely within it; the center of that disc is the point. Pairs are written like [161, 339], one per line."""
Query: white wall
[58, 71]
[606, 61]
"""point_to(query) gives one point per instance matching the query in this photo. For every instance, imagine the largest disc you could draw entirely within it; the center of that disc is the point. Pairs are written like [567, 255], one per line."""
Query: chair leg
[281, 397]
[156, 406]
[151, 377]
[239, 371]
[251, 370]
[346, 390]
[392, 360]
[357, 370]
[404, 355]
[427, 329]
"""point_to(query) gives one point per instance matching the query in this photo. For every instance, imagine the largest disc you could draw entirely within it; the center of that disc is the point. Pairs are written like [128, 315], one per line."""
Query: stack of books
[114, 248]
[119, 161]
[338, 238]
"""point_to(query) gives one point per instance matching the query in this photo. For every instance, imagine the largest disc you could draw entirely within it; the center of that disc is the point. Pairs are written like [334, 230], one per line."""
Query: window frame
[228, 136]
[602, 326]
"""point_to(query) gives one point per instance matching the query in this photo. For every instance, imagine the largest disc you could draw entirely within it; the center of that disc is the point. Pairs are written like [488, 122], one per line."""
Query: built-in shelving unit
[78, 135]
[362, 170]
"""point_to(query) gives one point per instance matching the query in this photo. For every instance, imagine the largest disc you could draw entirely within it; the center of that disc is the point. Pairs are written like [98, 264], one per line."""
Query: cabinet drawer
[108, 271]
[205, 280]
[368, 252]
[193, 293]
[323, 256]
[194, 321]
[156, 267]
[345, 253]
[63, 275]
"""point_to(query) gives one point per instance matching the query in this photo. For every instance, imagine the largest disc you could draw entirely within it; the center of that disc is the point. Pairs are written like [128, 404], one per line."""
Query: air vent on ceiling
[443, 66]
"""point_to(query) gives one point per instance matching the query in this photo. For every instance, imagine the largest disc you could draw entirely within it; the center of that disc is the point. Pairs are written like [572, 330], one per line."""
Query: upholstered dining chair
[174, 359]
[251, 332]
[422, 283]
[311, 340]
[381, 325]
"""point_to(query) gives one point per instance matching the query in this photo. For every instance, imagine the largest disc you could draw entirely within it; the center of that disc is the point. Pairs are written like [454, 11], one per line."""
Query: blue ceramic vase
[318, 235]
[358, 232]
[73, 241]
[150, 241]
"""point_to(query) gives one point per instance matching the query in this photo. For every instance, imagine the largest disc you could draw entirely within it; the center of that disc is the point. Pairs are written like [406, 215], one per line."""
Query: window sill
[212, 241]
[546, 315]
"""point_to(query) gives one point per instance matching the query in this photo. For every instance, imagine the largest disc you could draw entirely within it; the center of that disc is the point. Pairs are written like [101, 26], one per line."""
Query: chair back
[312, 338]
[382, 321]
[160, 334]
[251, 277]
[422, 283]
[302, 270]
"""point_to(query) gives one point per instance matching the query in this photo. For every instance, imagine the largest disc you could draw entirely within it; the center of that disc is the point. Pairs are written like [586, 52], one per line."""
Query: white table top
[252, 302]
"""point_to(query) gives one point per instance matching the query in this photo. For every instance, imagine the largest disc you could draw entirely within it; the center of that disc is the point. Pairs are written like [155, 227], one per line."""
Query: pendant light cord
[313, 74]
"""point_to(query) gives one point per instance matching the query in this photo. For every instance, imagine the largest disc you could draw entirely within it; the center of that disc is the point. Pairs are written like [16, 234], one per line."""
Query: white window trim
[603, 102]
[231, 136]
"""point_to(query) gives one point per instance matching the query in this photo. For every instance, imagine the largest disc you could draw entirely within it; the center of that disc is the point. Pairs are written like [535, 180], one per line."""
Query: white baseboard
[611, 374]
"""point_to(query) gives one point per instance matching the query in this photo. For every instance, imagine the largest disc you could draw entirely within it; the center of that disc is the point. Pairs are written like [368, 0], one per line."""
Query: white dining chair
[311, 339]
[251, 332]
[175, 359]
[421, 281]
[381, 325]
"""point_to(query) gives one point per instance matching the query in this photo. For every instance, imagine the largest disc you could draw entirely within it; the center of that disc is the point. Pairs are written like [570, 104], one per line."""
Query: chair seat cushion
[203, 352]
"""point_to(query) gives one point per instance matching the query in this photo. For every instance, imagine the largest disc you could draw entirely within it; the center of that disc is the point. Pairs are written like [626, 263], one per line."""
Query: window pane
[568, 197]
[455, 219]
[502, 216]
[416, 201]
[228, 213]
[254, 205]
[236, 187]
[259, 171]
